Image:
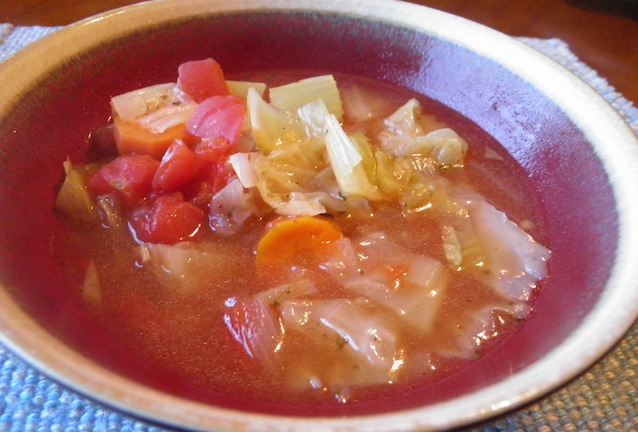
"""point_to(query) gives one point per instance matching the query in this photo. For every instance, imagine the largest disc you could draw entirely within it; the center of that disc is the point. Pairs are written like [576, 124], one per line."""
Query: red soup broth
[172, 332]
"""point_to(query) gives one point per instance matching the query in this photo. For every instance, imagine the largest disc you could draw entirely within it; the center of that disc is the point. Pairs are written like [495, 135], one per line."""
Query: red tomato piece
[201, 79]
[169, 219]
[211, 179]
[211, 150]
[179, 166]
[129, 176]
[218, 116]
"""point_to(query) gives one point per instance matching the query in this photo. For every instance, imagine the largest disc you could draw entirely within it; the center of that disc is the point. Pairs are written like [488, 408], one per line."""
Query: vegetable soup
[296, 237]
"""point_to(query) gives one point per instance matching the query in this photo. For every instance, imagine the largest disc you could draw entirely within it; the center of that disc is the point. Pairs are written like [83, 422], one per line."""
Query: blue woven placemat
[604, 398]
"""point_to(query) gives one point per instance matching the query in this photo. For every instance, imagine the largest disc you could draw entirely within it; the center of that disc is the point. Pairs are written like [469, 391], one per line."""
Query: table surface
[602, 33]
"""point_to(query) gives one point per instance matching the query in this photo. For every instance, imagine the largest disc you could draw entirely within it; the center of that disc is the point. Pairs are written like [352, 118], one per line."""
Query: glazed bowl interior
[577, 160]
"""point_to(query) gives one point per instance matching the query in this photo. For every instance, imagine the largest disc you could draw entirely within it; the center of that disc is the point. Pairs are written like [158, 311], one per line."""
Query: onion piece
[134, 104]
[165, 118]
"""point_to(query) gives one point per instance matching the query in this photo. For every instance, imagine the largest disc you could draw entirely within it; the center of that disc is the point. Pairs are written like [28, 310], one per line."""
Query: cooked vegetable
[91, 290]
[254, 325]
[451, 246]
[161, 120]
[271, 126]
[132, 137]
[183, 266]
[240, 88]
[514, 261]
[244, 166]
[169, 219]
[348, 164]
[442, 145]
[295, 179]
[401, 129]
[129, 176]
[361, 346]
[290, 97]
[178, 167]
[296, 241]
[73, 199]
[231, 207]
[202, 79]
[218, 117]
[137, 103]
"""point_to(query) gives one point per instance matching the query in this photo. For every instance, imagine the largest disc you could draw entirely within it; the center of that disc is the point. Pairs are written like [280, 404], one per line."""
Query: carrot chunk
[297, 241]
[131, 137]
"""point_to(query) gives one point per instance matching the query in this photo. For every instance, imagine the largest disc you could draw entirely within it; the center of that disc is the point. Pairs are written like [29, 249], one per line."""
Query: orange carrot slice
[131, 137]
[298, 241]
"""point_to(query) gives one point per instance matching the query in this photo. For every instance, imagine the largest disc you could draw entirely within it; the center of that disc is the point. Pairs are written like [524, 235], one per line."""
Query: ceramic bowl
[576, 151]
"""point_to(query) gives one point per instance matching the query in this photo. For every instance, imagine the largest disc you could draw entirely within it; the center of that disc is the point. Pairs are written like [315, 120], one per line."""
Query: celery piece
[240, 88]
[346, 159]
[293, 96]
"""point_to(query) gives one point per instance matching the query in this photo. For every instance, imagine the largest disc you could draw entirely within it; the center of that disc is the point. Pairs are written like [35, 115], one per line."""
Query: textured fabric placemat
[604, 398]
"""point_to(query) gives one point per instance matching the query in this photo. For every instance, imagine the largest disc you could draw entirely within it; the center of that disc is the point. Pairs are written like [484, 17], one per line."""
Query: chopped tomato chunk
[129, 176]
[169, 219]
[218, 116]
[178, 167]
[201, 79]
[211, 150]
[212, 178]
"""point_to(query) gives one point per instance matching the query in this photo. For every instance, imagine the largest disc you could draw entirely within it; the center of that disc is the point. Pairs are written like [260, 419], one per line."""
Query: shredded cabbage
[442, 145]
[451, 246]
[231, 207]
[401, 129]
[244, 166]
[73, 199]
[292, 179]
[393, 174]
[271, 126]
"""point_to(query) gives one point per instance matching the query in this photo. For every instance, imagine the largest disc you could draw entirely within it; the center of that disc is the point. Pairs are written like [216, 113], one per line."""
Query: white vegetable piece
[244, 166]
[290, 97]
[346, 162]
[137, 103]
[516, 262]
